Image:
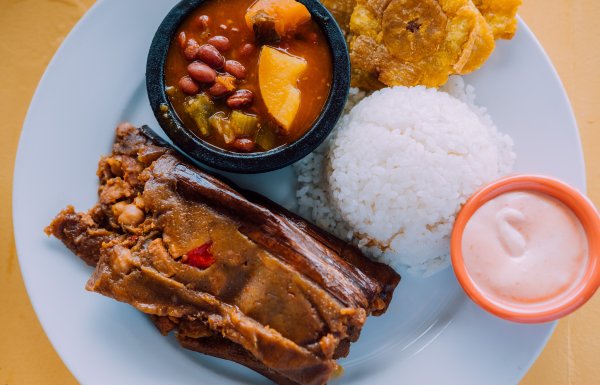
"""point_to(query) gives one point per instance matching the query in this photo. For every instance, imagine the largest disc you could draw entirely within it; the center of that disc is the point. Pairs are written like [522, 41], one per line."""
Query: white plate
[432, 333]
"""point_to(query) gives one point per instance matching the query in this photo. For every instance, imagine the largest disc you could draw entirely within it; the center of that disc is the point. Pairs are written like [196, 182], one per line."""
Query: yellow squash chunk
[287, 15]
[278, 75]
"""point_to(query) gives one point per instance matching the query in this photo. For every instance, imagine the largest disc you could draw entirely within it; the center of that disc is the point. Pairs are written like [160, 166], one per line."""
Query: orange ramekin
[562, 304]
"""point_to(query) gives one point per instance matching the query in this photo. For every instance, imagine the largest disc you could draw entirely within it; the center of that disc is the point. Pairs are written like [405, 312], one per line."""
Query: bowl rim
[560, 305]
[224, 160]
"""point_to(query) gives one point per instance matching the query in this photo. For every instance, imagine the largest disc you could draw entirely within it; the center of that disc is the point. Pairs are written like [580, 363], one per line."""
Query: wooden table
[31, 31]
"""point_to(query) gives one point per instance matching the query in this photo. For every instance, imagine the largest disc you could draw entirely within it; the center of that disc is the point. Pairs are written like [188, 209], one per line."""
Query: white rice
[397, 170]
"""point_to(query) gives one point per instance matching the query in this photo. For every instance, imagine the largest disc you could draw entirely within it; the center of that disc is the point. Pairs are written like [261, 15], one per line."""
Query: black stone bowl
[225, 160]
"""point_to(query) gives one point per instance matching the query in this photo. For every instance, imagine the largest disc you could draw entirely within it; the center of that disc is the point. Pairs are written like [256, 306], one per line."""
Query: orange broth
[227, 19]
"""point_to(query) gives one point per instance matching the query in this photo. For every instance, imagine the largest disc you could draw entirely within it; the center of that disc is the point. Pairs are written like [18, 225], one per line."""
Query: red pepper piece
[200, 257]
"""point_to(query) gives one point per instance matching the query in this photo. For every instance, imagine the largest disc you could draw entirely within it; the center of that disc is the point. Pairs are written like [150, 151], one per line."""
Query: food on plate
[420, 42]
[232, 273]
[398, 169]
[416, 42]
[501, 15]
[524, 247]
[217, 78]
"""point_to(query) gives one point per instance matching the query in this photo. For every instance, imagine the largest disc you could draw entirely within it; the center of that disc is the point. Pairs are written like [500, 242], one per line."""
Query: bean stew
[249, 76]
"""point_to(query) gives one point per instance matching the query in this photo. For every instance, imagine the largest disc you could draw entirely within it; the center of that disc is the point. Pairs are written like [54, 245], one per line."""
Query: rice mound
[398, 169]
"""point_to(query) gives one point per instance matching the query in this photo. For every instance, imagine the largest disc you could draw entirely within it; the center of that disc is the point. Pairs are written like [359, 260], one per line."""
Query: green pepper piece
[243, 124]
[200, 108]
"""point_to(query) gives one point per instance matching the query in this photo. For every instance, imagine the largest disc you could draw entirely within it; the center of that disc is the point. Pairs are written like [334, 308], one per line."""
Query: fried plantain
[412, 42]
[501, 15]
[413, 29]
[341, 10]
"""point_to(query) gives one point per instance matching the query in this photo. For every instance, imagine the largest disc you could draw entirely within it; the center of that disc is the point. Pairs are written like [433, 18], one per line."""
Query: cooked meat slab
[232, 273]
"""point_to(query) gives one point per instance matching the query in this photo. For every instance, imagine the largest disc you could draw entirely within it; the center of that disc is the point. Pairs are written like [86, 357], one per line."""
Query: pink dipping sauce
[524, 247]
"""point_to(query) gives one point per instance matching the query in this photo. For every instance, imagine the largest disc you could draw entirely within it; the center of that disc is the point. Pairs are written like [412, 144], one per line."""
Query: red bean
[202, 22]
[246, 50]
[202, 73]
[217, 90]
[188, 86]
[211, 56]
[235, 68]
[243, 144]
[182, 39]
[220, 42]
[191, 49]
[240, 99]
